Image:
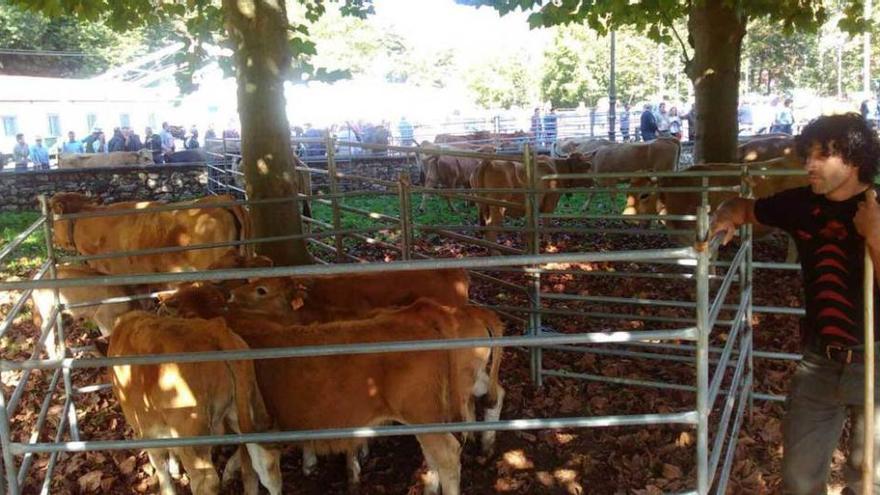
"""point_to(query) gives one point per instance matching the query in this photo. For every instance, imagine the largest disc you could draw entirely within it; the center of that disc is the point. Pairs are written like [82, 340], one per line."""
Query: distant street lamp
[612, 92]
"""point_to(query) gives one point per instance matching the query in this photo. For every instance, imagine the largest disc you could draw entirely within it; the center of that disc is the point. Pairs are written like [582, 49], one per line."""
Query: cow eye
[262, 291]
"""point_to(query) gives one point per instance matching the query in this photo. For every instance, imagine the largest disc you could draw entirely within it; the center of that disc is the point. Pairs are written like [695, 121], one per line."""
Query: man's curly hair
[846, 135]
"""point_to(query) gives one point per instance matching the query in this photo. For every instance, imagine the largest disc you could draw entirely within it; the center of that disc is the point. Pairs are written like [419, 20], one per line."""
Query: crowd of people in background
[161, 144]
[659, 122]
[544, 127]
[755, 115]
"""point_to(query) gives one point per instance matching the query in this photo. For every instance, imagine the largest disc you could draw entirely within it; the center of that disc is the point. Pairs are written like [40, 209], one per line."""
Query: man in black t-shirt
[830, 220]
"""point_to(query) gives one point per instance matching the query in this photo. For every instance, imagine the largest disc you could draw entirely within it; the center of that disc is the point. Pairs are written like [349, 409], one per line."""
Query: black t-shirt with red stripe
[832, 262]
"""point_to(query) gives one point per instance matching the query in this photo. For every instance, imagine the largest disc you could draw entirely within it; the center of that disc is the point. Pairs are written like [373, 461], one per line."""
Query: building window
[124, 120]
[10, 125]
[91, 120]
[54, 125]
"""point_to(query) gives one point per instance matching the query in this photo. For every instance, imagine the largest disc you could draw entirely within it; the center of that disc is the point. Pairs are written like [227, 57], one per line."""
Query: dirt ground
[616, 460]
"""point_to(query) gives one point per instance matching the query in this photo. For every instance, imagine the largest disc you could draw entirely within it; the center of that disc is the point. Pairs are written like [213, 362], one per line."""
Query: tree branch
[684, 54]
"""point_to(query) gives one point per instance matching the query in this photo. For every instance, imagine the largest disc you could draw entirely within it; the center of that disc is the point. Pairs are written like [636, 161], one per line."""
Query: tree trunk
[258, 29]
[716, 33]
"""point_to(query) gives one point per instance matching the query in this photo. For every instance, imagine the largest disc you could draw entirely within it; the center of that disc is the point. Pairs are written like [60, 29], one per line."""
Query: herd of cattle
[361, 390]
[440, 171]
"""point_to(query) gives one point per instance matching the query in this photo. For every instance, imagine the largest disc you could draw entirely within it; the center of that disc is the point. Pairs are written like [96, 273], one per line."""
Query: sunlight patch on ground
[517, 459]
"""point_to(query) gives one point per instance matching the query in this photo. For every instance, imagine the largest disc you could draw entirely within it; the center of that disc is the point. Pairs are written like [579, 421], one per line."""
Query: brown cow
[765, 148]
[306, 300]
[104, 315]
[686, 203]
[481, 136]
[450, 172]
[112, 159]
[584, 146]
[504, 174]
[363, 390]
[660, 155]
[318, 300]
[190, 399]
[184, 227]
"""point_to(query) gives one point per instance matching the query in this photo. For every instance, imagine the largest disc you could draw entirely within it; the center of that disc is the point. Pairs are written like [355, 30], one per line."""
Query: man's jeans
[822, 396]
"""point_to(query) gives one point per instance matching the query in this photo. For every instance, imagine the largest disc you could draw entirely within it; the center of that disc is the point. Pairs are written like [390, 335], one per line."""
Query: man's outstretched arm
[730, 215]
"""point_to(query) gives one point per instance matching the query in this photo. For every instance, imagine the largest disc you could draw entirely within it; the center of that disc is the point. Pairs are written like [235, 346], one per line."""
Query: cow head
[644, 202]
[277, 295]
[196, 300]
[145, 157]
[64, 203]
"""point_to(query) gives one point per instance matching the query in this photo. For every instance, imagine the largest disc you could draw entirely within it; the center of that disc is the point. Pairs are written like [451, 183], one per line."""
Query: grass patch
[31, 253]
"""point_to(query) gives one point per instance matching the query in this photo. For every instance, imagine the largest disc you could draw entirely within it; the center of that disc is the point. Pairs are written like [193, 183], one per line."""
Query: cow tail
[245, 229]
[243, 380]
[496, 330]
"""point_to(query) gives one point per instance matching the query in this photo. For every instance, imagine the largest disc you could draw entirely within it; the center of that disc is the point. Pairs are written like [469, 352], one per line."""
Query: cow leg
[159, 460]
[493, 219]
[203, 477]
[791, 254]
[173, 465]
[233, 467]
[353, 468]
[430, 183]
[310, 460]
[492, 413]
[267, 464]
[586, 205]
[451, 204]
[443, 456]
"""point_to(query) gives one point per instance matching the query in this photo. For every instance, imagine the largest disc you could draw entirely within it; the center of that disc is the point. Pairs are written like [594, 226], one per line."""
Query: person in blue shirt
[20, 153]
[535, 127]
[550, 121]
[40, 155]
[648, 124]
[72, 145]
[406, 132]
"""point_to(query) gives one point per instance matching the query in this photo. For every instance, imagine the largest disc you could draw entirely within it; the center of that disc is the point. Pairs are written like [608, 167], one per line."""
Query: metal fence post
[59, 346]
[868, 458]
[531, 214]
[702, 356]
[334, 201]
[11, 483]
[745, 277]
[592, 122]
[226, 166]
[403, 189]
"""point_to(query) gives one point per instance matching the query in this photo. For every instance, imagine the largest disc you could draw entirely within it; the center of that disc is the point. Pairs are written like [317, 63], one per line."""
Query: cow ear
[296, 303]
[102, 345]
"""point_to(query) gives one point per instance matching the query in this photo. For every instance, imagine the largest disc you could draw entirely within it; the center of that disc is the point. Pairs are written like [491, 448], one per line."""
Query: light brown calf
[112, 159]
[189, 399]
[372, 389]
[503, 174]
[450, 172]
[186, 227]
[320, 299]
[104, 315]
[686, 203]
[660, 155]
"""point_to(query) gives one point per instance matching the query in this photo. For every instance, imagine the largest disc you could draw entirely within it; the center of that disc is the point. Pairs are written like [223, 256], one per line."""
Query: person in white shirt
[662, 120]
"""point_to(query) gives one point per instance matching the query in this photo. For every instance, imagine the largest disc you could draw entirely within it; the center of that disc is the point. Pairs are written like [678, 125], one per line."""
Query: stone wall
[378, 167]
[19, 190]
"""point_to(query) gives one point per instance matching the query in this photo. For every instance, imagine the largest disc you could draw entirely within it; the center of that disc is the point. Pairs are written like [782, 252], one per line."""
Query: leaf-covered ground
[617, 460]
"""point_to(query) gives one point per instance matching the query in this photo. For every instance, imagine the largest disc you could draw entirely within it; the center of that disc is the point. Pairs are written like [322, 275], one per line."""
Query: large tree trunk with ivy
[716, 33]
[258, 29]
